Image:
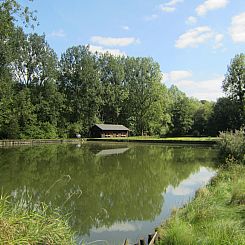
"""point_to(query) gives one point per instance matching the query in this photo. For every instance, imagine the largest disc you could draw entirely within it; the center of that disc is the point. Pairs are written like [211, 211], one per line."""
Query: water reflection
[112, 151]
[106, 196]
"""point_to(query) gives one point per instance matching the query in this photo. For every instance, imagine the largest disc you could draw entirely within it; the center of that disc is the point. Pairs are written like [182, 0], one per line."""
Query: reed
[20, 225]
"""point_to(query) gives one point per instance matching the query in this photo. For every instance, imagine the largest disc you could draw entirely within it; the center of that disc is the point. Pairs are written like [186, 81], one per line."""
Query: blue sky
[193, 40]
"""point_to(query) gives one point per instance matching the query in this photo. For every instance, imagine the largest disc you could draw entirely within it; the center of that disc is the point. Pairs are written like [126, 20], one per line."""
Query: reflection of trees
[98, 191]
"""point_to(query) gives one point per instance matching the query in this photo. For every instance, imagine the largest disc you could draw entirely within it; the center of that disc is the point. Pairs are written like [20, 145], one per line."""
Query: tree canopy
[42, 96]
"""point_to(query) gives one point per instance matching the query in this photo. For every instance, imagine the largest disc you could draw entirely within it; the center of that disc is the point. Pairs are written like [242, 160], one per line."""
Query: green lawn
[158, 139]
[215, 216]
[173, 138]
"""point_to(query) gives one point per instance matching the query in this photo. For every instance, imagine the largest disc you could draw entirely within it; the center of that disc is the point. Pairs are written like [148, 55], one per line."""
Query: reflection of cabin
[109, 130]
[112, 152]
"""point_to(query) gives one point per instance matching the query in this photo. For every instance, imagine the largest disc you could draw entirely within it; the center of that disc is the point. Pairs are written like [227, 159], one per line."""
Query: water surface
[111, 191]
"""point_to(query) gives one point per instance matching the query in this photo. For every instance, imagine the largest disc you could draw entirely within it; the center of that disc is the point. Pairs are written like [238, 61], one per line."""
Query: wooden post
[126, 242]
[150, 236]
[153, 239]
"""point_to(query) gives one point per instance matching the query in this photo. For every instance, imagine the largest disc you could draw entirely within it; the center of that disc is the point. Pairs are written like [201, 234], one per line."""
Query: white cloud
[202, 89]
[169, 6]
[179, 190]
[123, 227]
[167, 9]
[151, 17]
[188, 186]
[60, 33]
[193, 37]
[210, 5]
[102, 50]
[191, 20]
[219, 38]
[218, 41]
[177, 75]
[125, 28]
[111, 41]
[237, 29]
[173, 2]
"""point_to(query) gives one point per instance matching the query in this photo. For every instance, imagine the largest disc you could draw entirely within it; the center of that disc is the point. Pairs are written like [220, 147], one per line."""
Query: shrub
[232, 145]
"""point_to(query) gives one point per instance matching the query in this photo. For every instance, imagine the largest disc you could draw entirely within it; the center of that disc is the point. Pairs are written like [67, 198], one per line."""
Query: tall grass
[215, 216]
[18, 225]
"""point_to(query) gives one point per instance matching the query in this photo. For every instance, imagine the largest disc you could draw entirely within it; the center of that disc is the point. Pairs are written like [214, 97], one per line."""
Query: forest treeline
[42, 96]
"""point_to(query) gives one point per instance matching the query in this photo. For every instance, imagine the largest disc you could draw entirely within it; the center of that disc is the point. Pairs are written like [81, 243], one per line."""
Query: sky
[192, 40]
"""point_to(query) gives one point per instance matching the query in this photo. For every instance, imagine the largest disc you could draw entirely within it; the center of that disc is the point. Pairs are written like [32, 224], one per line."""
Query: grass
[215, 216]
[154, 138]
[174, 138]
[19, 225]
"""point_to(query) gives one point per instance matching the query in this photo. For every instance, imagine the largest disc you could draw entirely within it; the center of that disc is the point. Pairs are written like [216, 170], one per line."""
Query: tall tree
[36, 68]
[145, 98]
[234, 84]
[80, 82]
[182, 112]
[225, 116]
[10, 12]
[202, 118]
[114, 93]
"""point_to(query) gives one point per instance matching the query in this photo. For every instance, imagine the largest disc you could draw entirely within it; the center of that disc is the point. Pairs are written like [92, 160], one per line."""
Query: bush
[232, 145]
[43, 130]
[74, 129]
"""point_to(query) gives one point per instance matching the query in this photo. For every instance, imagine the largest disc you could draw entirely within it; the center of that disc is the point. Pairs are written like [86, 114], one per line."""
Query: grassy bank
[215, 216]
[148, 139]
[21, 226]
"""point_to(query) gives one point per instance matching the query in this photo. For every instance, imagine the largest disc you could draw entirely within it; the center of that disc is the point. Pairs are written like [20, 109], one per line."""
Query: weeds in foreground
[42, 226]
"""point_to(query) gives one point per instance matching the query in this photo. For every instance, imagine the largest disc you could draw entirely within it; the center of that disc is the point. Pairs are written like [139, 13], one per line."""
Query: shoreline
[184, 140]
[214, 216]
[4, 143]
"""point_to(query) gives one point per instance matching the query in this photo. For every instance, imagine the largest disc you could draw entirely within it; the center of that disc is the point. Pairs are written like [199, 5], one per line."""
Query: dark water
[111, 191]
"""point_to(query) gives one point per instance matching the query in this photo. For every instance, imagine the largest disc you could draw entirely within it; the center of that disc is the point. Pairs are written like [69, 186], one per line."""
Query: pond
[111, 191]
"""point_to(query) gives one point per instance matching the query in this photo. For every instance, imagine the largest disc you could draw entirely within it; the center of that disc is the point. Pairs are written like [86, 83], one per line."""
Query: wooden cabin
[109, 130]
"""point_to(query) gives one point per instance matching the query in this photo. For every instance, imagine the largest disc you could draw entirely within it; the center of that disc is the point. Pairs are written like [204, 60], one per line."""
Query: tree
[234, 84]
[225, 116]
[202, 117]
[182, 112]
[36, 68]
[145, 101]
[114, 93]
[11, 13]
[80, 82]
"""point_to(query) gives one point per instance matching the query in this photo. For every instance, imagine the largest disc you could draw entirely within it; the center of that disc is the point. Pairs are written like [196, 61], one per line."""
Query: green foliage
[202, 117]
[18, 225]
[74, 129]
[114, 93]
[232, 145]
[182, 110]
[79, 81]
[238, 193]
[234, 85]
[38, 90]
[225, 116]
[144, 110]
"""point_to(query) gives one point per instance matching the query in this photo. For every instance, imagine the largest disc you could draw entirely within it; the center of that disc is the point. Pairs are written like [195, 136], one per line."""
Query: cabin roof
[112, 127]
